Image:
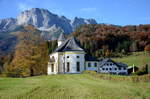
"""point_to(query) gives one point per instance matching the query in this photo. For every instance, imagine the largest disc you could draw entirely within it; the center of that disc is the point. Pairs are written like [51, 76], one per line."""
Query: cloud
[23, 6]
[89, 9]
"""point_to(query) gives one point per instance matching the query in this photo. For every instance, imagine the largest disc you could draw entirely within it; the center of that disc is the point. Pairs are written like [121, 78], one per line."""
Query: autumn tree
[30, 54]
[147, 48]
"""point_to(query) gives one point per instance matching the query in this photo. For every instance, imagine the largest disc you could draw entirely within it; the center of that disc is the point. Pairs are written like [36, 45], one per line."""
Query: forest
[31, 52]
[104, 40]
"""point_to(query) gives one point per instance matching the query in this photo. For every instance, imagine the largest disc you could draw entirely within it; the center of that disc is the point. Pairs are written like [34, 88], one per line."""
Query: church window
[78, 66]
[52, 68]
[78, 57]
[68, 66]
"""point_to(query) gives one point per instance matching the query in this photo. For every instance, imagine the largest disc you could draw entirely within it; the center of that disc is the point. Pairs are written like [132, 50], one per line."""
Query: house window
[95, 64]
[119, 68]
[89, 64]
[52, 68]
[67, 56]
[106, 68]
[78, 66]
[124, 68]
[115, 68]
[103, 68]
[78, 56]
[110, 69]
[68, 66]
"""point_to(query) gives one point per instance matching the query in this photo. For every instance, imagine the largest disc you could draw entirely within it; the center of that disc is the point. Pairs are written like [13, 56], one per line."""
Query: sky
[118, 12]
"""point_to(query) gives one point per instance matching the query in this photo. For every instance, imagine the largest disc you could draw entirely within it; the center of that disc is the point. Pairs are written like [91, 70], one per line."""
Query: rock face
[52, 33]
[50, 24]
[7, 24]
[81, 21]
[44, 19]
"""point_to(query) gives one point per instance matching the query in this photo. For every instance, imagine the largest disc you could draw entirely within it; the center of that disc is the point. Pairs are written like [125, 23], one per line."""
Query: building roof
[61, 37]
[105, 60]
[70, 44]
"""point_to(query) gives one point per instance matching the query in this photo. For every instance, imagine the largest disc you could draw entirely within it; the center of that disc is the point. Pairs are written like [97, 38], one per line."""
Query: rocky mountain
[52, 33]
[50, 25]
[44, 20]
[7, 24]
[81, 21]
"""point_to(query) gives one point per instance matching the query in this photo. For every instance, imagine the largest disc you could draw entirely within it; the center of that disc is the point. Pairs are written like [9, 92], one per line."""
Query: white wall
[113, 66]
[61, 60]
[55, 55]
[73, 61]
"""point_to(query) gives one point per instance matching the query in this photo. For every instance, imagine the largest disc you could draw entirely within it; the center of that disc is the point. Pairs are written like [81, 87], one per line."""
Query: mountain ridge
[43, 19]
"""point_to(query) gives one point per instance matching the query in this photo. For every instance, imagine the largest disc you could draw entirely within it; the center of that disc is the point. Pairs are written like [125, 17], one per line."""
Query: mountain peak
[44, 19]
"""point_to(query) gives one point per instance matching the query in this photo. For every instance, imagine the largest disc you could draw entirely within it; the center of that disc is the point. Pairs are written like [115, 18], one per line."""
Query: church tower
[61, 39]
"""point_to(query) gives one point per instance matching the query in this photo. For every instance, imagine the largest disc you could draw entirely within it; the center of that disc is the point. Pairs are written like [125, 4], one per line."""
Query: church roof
[70, 44]
[61, 37]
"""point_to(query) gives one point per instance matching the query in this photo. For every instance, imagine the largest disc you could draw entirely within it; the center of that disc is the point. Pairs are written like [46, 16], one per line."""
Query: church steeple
[61, 39]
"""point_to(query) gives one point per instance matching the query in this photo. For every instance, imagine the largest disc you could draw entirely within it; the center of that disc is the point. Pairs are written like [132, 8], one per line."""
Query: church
[70, 58]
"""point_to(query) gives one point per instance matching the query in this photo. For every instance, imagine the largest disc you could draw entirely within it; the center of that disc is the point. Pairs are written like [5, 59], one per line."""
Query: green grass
[136, 58]
[77, 86]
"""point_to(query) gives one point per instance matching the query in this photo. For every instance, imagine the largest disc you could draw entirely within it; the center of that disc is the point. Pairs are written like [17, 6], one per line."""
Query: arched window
[78, 66]
[52, 67]
[68, 66]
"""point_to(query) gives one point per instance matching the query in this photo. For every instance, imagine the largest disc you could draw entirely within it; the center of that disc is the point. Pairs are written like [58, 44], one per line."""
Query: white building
[109, 66]
[69, 57]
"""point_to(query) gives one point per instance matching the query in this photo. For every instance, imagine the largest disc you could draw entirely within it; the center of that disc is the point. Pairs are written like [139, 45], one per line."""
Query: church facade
[69, 57]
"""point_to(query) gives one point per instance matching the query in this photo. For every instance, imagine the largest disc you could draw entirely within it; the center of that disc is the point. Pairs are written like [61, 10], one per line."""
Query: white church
[69, 57]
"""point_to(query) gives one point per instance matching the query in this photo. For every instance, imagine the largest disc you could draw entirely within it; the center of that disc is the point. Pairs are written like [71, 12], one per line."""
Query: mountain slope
[7, 24]
[43, 19]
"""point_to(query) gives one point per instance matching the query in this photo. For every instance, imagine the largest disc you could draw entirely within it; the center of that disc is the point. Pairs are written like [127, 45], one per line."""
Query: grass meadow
[136, 58]
[71, 86]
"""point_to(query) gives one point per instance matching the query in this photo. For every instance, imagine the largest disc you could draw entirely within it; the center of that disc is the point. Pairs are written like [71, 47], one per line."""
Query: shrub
[11, 74]
[147, 48]
[143, 78]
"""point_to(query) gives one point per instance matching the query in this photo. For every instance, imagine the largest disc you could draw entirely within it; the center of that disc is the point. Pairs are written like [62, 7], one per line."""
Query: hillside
[109, 40]
[136, 58]
[71, 87]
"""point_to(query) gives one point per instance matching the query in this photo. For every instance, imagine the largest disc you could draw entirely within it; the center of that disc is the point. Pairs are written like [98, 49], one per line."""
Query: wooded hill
[30, 54]
[109, 40]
